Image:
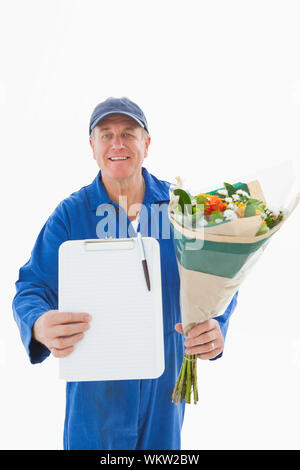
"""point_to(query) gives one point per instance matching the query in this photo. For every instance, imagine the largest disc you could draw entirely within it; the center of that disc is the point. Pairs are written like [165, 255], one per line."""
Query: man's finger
[60, 318]
[66, 342]
[206, 348]
[178, 328]
[66, 329]
[204, 338]
[62, 352]
[210, 355]
[202, 328]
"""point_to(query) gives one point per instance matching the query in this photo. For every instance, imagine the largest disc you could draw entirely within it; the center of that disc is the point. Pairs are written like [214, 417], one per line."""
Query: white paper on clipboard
[105, 278]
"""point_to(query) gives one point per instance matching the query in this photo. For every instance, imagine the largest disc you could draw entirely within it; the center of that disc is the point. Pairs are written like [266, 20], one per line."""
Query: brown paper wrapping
[204, 296]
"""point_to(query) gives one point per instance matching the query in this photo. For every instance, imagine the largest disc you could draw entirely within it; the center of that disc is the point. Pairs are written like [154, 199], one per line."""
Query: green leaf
[201, 200]
[214, 215]
[201, 203]
[260, 208]
[262, 229]
[250, 210]
[253, 201]
[230, 189]
[184, 200]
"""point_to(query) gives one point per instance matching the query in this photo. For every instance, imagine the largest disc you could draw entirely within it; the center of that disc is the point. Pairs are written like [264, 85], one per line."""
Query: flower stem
[177, 384]
[195, 384]
[186, 381]
[181, 382]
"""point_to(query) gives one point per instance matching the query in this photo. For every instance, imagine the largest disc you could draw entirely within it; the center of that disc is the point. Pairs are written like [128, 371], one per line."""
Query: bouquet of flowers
[218, 237]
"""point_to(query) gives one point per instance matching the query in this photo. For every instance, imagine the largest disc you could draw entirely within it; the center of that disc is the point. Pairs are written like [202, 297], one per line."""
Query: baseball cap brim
[99, 118]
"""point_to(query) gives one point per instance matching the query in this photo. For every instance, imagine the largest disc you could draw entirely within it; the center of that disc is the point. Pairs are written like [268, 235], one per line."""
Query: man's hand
[205, 339]
[59, 331]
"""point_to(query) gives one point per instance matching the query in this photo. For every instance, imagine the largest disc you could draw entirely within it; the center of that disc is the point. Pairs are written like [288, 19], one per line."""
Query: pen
[144, 261]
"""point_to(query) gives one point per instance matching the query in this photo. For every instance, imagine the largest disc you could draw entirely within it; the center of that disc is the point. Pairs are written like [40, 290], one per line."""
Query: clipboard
[105, 278]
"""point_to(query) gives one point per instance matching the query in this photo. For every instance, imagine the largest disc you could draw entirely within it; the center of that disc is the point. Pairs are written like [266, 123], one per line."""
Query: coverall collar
[155, 191]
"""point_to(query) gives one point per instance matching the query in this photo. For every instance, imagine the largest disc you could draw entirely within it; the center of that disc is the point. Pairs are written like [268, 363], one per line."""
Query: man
[133, 414]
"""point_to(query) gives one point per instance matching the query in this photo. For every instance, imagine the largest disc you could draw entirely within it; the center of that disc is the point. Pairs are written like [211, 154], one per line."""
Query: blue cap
[117, 106]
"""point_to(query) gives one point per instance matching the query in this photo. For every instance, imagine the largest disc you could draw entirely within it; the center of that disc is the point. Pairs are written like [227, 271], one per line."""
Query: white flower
[229, 214]
[205, 222]
[233, 207]
[242, 193]
[236, 197]
[223, 192]
[218, 221]
[228, 199]
[272, 211]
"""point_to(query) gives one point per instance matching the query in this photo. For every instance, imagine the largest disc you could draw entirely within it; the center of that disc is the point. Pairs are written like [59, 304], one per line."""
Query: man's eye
[105, 136]
[126, 134]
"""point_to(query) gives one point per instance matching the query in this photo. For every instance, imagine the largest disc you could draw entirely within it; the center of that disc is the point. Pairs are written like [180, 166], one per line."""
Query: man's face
[119, 147]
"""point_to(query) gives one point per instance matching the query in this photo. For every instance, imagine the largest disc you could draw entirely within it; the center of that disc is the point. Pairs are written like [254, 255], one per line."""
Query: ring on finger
[213, 346]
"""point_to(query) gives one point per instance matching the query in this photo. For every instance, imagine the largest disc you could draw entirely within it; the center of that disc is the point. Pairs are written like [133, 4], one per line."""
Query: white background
[219, 82]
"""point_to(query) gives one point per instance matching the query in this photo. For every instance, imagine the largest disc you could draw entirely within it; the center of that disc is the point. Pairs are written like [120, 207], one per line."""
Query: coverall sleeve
[37, 286]
[224, 319]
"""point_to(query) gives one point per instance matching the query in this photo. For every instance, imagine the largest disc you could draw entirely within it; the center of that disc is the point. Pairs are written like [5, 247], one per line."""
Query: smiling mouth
[117, 159]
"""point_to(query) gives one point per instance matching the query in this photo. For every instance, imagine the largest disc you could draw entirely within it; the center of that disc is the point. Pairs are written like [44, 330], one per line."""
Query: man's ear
[147, 143]
[92, 147]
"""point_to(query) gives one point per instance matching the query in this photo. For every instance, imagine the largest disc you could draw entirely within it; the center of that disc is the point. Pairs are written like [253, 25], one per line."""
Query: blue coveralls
[108, 415]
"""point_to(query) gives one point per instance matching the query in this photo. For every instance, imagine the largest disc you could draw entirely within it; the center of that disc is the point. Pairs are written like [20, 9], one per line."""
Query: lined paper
[105, 278]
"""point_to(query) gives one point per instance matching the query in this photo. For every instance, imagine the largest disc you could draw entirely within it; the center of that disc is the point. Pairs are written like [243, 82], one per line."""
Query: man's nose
[117, 142]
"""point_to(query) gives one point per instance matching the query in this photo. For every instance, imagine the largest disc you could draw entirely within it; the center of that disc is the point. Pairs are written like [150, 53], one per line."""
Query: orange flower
[214, 204]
